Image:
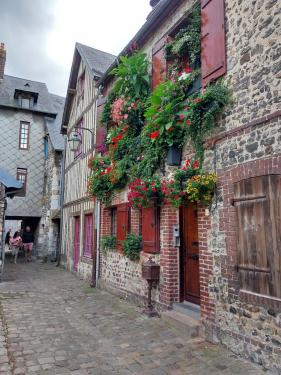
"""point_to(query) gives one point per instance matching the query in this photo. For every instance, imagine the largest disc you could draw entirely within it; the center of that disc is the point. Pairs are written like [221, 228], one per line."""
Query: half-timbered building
[78, 219]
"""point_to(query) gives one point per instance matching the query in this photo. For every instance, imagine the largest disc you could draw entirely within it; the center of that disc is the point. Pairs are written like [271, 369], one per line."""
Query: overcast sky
[40, 34]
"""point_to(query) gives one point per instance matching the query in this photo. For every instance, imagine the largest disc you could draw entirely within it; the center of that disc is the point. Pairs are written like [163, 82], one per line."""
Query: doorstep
[189, 309]
[185, 319]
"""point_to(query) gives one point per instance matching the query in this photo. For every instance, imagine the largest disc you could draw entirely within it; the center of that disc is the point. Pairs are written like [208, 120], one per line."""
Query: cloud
[40, 34]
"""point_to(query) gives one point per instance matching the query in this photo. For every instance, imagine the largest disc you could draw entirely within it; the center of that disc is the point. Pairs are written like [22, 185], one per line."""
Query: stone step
[185, 324]
[188, 308]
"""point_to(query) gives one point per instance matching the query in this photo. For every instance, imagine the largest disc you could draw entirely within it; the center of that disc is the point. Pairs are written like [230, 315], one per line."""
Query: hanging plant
[100, 183]
[201, 112]
[201, 188]
[143, 192]
[175, 192]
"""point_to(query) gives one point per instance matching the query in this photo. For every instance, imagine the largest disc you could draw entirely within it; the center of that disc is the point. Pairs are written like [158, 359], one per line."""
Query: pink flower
[126, 116]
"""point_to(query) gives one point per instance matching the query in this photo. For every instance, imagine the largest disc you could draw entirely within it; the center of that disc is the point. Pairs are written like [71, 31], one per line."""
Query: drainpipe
[95, 255]
[62, 200]
[98, 241]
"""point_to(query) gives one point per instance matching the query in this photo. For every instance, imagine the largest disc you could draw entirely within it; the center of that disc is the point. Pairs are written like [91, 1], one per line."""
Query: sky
[40, 35]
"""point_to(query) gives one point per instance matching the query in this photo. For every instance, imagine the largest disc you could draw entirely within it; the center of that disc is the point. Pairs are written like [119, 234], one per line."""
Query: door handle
[194, 256]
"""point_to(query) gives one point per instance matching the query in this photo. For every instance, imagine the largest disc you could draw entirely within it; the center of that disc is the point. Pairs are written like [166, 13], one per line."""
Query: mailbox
[150, 270]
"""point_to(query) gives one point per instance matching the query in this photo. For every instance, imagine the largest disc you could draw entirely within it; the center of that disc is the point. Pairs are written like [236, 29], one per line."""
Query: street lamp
[74, 141]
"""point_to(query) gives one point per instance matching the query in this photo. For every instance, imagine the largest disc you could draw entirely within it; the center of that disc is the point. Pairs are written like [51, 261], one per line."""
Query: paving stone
[56, 328]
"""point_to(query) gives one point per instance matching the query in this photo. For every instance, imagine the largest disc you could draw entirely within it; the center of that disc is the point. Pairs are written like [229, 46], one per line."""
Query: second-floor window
[22, 177]
[24, 135]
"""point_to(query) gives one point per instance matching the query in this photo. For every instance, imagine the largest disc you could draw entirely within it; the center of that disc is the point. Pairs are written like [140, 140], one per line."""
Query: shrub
[132, 246]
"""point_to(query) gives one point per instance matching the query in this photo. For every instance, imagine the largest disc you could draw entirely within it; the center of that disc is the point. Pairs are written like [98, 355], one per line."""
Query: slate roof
[7, 90]
[54, 125]
[97, 61]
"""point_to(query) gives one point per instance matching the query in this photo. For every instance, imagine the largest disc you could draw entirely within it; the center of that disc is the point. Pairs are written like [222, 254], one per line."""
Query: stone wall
[48, 239]
[246, 143]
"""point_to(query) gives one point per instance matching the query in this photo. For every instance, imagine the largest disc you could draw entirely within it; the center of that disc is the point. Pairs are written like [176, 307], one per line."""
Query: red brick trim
[228, 220]
[169, 260]
[207, 304]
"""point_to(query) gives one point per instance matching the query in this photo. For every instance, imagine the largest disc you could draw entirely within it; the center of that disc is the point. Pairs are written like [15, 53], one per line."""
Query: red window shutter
[151, 229]
[122, 224]
[101, 128]
[159, 63]
[213, 49]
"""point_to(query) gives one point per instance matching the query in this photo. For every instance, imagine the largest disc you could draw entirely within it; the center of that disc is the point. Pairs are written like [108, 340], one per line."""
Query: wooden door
[76, 243]
[190, 287]
[258, 207]
[88, 236]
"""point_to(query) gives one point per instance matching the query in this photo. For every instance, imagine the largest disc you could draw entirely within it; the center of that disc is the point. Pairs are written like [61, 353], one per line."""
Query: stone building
[78, 222]
[27, 113]
[232, 278]
[51, 202]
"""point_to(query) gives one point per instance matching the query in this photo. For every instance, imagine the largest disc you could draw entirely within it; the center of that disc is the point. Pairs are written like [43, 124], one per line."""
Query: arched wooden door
[190, 285]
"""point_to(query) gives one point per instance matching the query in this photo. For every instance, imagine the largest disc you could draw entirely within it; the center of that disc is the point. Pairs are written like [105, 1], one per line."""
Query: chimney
[153, 3]
[2, 60]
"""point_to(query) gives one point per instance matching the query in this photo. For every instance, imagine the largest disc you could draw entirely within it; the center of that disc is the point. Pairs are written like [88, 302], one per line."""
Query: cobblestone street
[52, 323]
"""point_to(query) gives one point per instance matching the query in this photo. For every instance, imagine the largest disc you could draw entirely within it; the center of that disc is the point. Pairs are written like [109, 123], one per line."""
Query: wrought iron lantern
[74, 141]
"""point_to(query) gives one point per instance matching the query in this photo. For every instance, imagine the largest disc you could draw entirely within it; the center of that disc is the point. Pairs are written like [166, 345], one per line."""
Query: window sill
[260, 299]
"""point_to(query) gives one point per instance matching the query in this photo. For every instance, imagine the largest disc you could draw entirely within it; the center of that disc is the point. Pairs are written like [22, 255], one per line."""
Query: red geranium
[195, 164]
[154, 135]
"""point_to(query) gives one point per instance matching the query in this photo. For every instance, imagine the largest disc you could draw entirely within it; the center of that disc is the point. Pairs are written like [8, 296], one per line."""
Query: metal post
[62, 200]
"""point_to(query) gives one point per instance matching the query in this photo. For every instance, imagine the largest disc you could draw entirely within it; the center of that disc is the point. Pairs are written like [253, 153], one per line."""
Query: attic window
[27, 85]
